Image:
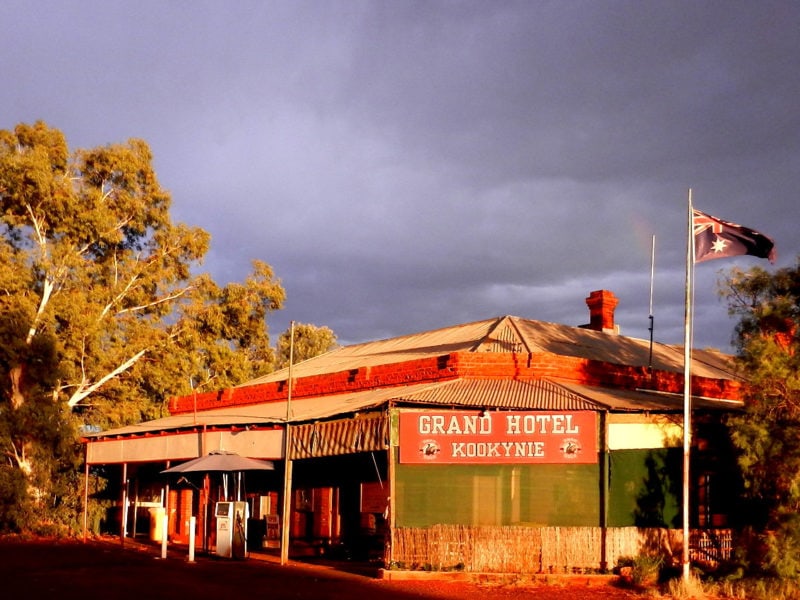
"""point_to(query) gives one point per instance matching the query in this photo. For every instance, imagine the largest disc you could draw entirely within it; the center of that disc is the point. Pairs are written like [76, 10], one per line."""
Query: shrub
[642, 570]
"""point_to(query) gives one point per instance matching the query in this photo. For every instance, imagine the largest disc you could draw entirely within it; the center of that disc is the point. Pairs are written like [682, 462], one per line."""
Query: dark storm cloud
[411, 165]
[540, 89]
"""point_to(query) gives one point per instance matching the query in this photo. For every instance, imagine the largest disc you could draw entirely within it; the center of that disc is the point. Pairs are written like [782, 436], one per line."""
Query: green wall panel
[645, 488]
[546, 495]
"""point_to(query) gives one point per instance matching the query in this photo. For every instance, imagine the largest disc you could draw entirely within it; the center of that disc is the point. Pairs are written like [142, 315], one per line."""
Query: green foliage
[45, 497]
[646, 569]
[309, 341]
[14, 500]
[766, 337]
[223, 330]
[642, 570]
[102, 317]
[767, 435]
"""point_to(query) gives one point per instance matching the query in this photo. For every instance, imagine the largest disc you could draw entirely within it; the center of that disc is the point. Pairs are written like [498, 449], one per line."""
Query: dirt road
[104, 569]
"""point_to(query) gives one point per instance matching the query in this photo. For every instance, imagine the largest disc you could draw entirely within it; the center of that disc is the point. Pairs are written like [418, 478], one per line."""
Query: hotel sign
[448, 437]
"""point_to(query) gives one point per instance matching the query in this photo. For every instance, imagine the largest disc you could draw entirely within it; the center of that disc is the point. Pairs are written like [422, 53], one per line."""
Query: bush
[14, 501]
[642, 570]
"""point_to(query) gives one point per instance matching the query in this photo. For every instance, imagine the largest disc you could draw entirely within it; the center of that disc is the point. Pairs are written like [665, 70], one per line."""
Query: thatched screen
[517, 549]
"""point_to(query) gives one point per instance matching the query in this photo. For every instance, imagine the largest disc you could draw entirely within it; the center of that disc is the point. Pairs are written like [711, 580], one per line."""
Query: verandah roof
[458, 393]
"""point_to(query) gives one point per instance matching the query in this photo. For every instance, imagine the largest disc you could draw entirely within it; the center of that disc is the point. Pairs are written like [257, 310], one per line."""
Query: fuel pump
[232, 529]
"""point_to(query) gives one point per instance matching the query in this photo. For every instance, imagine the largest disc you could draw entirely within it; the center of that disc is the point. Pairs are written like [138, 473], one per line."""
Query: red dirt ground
[67, 569]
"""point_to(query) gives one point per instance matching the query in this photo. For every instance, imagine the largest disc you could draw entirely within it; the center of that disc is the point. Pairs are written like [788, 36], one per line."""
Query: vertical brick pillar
[172, 507]
[201, 518]
[323, 507]
[183, 516]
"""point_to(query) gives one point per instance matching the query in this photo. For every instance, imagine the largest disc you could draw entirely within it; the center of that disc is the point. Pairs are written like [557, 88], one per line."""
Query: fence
[519, 549]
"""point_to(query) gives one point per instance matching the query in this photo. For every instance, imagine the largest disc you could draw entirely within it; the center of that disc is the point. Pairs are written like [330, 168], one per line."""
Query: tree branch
[83, 391]
[168, 298]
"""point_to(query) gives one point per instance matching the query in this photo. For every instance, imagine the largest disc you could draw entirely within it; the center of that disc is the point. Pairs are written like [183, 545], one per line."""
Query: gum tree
[309, 341]
[101, 315]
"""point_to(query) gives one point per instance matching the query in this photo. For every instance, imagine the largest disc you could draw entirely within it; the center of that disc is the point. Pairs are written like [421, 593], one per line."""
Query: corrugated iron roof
[301, 410]
[511, 334]
[499, 393]
[646, 400]
[427, 344]
[507, 394]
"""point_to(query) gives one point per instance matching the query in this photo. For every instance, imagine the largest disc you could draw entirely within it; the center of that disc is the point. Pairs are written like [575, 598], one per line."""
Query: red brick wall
[463, 364]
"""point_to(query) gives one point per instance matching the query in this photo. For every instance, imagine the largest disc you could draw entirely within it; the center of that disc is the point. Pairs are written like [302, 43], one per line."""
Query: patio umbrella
[221, 461]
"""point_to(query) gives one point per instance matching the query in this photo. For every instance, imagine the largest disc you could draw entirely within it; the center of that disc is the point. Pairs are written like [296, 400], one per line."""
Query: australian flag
[715, 238]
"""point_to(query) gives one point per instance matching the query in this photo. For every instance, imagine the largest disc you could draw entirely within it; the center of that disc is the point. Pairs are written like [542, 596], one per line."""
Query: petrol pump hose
[239, 542]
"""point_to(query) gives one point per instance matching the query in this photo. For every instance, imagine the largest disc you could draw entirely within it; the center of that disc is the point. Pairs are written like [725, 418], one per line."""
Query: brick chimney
[601, 305]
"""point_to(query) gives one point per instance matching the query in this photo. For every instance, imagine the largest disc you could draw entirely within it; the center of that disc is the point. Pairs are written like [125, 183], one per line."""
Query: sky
[411, 165]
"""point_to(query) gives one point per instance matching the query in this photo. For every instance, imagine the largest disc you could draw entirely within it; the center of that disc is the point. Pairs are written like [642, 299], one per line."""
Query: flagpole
[652, 277]
[687, 388]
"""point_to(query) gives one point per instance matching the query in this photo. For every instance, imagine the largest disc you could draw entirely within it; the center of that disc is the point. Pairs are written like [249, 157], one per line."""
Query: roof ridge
[509, 340]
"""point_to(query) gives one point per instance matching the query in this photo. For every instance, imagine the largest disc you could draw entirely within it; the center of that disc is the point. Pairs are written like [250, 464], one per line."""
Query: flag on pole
[707, 238]
[715, 238]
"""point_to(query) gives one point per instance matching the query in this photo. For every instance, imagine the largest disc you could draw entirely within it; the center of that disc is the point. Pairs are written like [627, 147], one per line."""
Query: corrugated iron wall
[363, 433]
